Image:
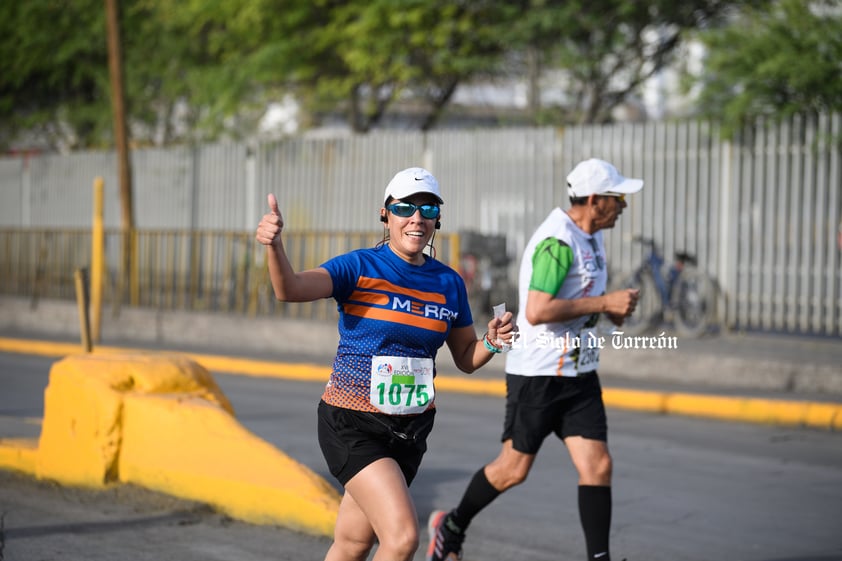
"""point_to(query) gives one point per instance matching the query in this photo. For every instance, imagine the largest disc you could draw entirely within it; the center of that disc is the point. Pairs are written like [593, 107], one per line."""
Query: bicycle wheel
[649, 311]
[695, 303]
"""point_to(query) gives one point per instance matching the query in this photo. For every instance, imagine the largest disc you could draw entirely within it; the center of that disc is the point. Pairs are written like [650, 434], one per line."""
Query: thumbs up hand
[272, 223]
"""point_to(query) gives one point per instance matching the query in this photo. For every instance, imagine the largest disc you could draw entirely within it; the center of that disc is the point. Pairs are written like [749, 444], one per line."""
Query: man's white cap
[410, 182]
[595, 177]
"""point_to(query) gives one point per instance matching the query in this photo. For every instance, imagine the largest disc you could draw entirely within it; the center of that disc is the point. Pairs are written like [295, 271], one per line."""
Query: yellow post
[97, 258]
[455, 252]
[134, 271]
[82, 303]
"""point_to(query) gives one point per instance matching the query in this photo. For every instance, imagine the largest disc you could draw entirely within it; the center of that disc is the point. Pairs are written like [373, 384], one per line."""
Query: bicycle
[681, 293]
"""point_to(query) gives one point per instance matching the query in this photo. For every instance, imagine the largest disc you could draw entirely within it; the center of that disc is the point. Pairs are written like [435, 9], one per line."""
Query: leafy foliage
[364, 55]
[52, 57]
[608, 48]
[773, 64]
[204, 69]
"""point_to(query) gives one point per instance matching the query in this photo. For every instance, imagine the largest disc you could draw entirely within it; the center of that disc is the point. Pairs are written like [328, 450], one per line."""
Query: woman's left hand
[501, 330]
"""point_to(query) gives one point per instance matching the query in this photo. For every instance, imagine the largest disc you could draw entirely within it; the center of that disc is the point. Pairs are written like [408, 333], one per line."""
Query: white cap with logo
[412, 181]
[595, 177]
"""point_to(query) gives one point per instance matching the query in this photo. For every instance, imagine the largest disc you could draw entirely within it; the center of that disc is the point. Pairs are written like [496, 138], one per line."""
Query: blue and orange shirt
[388, 307]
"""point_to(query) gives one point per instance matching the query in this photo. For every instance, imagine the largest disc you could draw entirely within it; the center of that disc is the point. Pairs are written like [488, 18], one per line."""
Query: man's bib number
[588, 351]
[401, 385]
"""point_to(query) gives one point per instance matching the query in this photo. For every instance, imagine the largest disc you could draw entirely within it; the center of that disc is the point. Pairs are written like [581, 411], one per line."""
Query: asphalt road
[685, 489]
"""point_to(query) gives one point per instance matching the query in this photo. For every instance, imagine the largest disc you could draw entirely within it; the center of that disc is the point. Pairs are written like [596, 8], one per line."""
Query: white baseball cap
[595, 177]
[412, 181]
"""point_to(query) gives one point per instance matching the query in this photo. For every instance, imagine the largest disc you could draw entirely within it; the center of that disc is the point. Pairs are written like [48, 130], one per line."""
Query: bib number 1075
[401, 385]
[393, 394]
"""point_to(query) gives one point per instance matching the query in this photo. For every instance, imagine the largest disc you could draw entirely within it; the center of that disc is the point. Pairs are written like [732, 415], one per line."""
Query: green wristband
[489, 346]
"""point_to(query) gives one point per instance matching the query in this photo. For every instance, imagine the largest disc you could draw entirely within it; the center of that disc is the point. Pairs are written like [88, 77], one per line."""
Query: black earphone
[438, 225]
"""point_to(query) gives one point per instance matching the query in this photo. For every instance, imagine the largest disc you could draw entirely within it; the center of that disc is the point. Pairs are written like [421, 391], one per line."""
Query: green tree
[195, 66]
[361, 56]
[178, 57]
[216, 64]
[54, 71]
[366, 55]
[199, 69]
[773, 64]
[608, 48]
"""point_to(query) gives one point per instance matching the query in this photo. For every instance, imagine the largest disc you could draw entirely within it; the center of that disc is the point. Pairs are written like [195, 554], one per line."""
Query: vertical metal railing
[761, 212]
[207, 270]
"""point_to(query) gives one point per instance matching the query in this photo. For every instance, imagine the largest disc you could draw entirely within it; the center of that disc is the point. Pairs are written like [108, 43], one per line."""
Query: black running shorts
[351, 440]
[539, 405]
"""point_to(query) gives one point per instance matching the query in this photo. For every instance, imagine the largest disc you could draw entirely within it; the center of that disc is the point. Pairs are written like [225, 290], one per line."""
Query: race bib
[401, 385]
[588, 351]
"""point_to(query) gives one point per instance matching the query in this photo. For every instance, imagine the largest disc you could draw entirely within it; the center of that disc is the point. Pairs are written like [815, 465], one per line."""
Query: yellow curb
[289, 371]
[743, 409]
[19, 454]
[462, 384]
[826, 416]
[38, 348]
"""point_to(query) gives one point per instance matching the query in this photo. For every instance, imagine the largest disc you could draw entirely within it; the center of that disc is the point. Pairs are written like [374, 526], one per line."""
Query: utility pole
[115, 70]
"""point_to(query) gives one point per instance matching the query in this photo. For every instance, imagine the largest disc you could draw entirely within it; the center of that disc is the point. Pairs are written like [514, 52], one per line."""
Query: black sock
[478, 495]
[595, 514]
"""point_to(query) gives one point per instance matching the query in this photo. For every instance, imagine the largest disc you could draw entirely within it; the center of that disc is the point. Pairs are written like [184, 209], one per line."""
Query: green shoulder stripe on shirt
[550, 263]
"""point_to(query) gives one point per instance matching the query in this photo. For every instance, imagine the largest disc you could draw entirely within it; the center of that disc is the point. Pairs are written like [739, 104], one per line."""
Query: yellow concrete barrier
[189, 448]
[81, 433]
[160, 421]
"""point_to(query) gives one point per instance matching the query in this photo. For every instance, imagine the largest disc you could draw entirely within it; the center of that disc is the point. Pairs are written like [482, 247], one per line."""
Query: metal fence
[200, 270]
[761, 213]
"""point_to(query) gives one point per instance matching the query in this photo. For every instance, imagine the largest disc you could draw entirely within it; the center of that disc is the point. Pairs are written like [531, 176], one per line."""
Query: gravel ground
[42, 521]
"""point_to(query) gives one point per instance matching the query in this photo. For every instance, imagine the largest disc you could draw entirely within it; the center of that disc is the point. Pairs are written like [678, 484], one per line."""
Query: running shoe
[445, 538]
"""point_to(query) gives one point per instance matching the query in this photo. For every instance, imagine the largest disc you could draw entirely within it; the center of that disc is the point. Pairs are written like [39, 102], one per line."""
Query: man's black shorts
[539, 405]
[351, 440]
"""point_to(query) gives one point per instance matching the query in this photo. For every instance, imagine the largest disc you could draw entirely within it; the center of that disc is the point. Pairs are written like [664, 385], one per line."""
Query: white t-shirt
[563, 260]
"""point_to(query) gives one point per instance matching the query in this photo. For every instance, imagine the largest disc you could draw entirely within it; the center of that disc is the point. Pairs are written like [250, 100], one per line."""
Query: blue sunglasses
[406, 210]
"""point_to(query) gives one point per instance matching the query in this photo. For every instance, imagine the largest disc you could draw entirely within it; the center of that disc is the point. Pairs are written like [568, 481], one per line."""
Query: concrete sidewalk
[789, 367]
